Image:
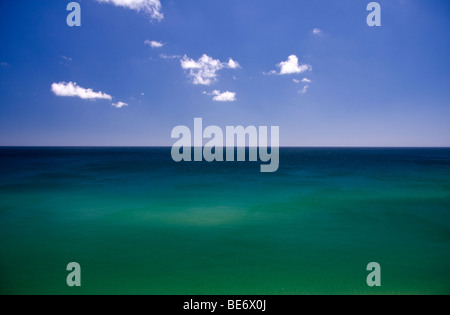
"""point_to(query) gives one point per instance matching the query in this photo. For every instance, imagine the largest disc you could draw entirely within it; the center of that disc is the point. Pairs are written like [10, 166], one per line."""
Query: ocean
[139, 223]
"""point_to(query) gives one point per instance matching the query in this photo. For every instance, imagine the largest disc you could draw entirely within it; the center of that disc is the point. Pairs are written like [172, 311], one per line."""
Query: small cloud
[65, 60]
[4, 64]
[119, 104]
[204, 70]
[152, 8]
[290, 66]
[222, 97]
[142, 94]
[163, 56]
[71, 89]
[154, 44]
[317, 31]
[304, 90]
[272, 72]
[233, 64]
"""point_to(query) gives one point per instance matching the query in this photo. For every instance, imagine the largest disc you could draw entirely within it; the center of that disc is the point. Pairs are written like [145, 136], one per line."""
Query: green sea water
[139, 223]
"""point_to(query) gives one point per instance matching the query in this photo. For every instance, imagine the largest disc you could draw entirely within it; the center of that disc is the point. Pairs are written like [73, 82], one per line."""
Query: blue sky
[379, 86]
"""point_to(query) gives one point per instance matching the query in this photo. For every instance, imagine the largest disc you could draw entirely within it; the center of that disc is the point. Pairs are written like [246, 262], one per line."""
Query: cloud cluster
[305, 88]
[222, 97]
[151, 7]
[154, 44]
[204, 70]
[71, 89]
[292, 66]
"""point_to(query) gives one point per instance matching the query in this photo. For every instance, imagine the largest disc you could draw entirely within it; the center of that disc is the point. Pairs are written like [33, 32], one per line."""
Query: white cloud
[222, 97]
[71, 89]
[292, 66]
[204, 70]
[119, 104]
[296, 81]
[151, 7]
[317, 31]
[154, 44]
[304, 90]
[233, 64]
[306, 80]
